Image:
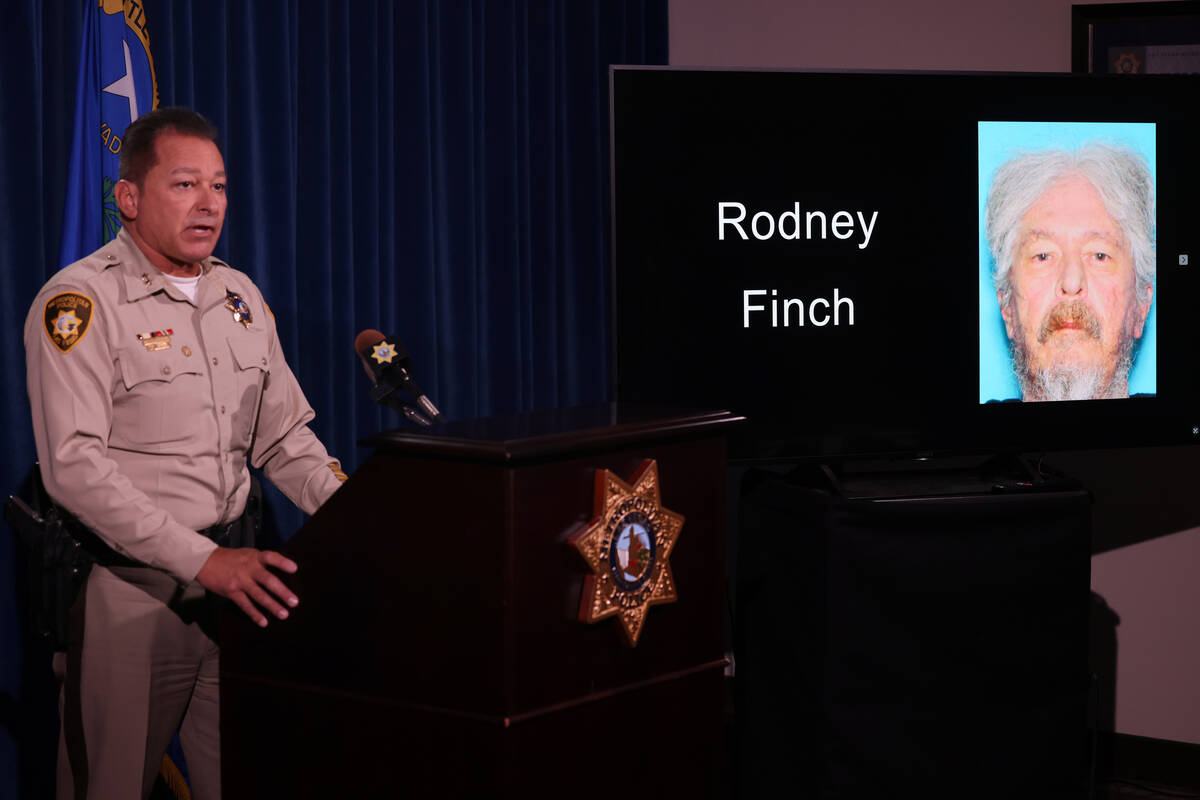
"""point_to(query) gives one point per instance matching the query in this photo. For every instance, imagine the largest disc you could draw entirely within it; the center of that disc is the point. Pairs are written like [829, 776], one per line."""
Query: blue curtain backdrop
[436, 170]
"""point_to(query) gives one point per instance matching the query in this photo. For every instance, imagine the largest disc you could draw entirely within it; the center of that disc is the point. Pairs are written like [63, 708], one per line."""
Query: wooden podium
[437, 652]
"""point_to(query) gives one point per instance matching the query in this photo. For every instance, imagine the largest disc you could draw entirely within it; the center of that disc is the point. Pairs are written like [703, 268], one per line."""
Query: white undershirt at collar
[186, 285]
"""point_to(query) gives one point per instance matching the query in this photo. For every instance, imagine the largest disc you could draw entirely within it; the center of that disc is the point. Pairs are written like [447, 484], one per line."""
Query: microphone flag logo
[383, 352]
[627, 545]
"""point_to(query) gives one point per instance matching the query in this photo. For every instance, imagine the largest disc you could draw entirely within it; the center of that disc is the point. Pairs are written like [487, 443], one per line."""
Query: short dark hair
[137, 148]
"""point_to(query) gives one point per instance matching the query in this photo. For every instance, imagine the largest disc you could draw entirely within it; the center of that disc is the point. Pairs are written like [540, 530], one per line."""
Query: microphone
[389, 367]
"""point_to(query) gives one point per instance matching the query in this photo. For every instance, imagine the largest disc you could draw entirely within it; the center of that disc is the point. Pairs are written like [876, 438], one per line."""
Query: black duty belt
[225, 534]
[218, 531]
[60, 551]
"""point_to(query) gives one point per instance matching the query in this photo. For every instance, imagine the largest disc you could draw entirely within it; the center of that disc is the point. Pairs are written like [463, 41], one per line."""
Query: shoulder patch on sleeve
[67, 317]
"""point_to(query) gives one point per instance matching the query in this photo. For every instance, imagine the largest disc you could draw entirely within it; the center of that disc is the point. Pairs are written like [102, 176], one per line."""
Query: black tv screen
[872, 264]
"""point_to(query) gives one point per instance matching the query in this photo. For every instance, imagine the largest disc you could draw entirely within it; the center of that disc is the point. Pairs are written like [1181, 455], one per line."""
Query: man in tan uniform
[154, 375]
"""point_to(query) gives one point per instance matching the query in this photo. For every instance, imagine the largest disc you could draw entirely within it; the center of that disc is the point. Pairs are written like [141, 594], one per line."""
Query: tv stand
[915, 629]
[905, 480]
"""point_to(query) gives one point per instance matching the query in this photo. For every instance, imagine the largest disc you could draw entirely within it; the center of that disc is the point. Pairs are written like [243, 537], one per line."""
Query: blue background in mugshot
[998, 142]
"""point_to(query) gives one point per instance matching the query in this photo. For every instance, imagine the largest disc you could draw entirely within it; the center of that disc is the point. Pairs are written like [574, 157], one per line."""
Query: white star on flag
[123, 86]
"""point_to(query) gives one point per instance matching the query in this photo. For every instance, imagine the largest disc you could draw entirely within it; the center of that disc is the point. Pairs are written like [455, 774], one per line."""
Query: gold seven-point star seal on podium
[627, 546]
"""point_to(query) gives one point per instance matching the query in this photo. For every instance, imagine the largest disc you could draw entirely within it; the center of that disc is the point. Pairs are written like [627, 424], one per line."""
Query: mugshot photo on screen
[1066, 260]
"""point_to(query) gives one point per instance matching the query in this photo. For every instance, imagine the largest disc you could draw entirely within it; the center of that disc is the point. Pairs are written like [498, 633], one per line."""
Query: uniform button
[264, 362]
[214, 361]
[187, 351]
[166, 370]
[222, 409]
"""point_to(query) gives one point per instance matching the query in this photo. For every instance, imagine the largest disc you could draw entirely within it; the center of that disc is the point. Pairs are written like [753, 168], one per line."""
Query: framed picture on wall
[1136, 38]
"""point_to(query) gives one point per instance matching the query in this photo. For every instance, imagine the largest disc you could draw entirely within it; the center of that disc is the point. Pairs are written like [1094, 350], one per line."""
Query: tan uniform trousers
[139, 667]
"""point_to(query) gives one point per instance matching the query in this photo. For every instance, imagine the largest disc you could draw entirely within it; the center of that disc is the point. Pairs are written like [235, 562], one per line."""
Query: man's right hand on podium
[241, 575]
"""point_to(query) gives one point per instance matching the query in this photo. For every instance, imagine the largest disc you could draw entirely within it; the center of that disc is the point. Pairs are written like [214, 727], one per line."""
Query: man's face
[176, 214]
[1075, 310]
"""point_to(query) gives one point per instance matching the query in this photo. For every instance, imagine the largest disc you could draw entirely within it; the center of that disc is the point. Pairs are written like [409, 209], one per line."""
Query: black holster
[60, 552]
[57, 564]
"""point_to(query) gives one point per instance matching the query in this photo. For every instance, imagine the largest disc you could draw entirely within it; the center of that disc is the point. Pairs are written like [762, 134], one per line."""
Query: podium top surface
[543, 434]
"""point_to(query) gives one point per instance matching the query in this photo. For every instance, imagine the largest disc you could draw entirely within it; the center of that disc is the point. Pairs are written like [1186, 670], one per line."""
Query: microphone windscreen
[368, 338]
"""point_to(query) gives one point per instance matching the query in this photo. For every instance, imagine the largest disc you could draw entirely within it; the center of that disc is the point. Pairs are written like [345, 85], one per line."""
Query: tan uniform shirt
[147, 406]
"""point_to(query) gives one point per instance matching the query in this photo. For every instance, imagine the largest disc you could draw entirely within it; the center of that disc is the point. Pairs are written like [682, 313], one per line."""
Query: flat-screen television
[911, 264]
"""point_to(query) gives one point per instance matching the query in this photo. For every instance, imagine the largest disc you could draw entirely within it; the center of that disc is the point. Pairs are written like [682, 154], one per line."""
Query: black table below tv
[934, 642]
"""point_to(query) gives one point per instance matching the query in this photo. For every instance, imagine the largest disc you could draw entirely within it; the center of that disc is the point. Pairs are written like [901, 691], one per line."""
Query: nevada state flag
[116, 84]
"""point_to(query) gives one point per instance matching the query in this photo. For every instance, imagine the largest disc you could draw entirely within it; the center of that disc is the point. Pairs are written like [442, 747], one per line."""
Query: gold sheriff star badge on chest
[627, 546]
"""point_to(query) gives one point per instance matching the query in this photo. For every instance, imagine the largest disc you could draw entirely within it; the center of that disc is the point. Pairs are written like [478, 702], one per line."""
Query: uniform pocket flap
[139, 365]
[249, 350]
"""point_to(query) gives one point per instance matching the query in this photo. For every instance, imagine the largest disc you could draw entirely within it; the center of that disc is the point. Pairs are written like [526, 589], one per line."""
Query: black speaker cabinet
[926, 644]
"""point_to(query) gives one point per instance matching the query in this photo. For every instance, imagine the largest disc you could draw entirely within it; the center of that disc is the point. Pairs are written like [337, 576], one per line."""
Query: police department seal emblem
[67, 316]
[627, 545]
[1127, 64]
[384, 352]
